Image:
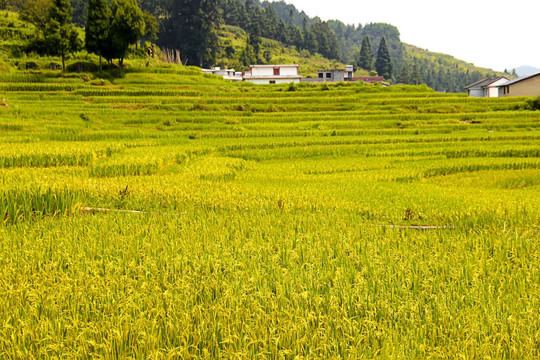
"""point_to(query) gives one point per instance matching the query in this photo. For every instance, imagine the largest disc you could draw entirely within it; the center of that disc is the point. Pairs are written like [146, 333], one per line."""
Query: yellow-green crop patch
[170, 215]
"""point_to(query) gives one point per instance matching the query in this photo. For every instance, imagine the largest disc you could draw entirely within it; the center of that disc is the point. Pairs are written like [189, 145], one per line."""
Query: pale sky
[493, 34]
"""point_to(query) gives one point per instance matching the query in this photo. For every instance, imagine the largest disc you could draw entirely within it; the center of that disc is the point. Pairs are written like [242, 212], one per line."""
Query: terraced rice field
[174, 215]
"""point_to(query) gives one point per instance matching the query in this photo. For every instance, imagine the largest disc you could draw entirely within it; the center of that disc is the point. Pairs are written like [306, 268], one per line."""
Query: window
[276, 71]
[320, 75]
[328, 75]
[272, 82]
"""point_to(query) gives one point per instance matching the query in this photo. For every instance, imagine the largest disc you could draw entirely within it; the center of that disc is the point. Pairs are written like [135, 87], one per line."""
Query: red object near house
[369, 79]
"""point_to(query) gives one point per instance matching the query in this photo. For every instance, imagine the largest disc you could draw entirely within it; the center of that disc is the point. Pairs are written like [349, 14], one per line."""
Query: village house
[336, 75]
[486, 87]
[273, 74]
[524, 86]
[228, 74]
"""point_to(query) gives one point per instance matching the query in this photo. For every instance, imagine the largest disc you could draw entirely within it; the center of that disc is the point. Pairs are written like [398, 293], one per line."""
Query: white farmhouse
[486, 87]
[273, 74]
[227, 74]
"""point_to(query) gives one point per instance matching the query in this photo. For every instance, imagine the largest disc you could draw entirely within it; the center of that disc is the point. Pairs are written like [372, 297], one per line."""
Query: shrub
[533, 104]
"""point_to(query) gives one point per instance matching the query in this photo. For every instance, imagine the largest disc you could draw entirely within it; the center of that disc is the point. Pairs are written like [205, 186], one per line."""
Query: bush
[533, 104]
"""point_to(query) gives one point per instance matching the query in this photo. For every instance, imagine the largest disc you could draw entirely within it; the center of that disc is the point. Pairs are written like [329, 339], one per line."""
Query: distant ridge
[526, 70]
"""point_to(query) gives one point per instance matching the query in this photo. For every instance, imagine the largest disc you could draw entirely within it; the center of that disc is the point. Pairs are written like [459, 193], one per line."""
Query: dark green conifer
[383, 65]
[365, 60]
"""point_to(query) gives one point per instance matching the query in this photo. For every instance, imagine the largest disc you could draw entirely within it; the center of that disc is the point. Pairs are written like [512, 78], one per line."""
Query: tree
[80, 12]
[236, 13]
[35, 12]
[327, 41]
[251, 8]
[295, 36]
[283, 33]
[254, 38]
[365, 60]
[127, 26]
[97, 28]
[416, 77]
[383, 65]
[310, 42]
[60, 34]
[404, 77]
[151, 26]
[269, 22]
[247, 56]
[191, 26]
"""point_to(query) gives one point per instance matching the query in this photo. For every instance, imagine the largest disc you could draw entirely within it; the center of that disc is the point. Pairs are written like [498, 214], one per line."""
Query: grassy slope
[309, 64]
[237, 38]
[15, 32]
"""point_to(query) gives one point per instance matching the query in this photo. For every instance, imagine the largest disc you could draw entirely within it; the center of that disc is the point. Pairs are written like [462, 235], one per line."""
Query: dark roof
[485, 82]
[495, 80]
[511, 82]
[479, 83]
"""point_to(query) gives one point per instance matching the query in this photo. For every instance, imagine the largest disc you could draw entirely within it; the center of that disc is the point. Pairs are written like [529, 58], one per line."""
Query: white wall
[262, 71]
[269, 71]
[476, 92]
[288, 71]
[287, 81]
[493, 88]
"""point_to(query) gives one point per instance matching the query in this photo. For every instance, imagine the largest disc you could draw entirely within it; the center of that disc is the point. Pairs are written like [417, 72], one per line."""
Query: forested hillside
[197, 28]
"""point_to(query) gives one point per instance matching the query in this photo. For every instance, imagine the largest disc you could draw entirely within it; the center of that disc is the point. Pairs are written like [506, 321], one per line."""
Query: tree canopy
[59, 34]
[191, 25]
[97, 27]
[127, 26]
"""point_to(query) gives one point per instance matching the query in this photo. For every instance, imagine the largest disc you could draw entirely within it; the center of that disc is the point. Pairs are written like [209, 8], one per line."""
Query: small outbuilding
[337, 75]
[524, 86]
[227, 74]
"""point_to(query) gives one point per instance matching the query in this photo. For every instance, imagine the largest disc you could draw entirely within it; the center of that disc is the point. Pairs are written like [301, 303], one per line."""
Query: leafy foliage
[127, 26]
[59, 34]
[191, 27]
[97, 27]
[533, 104]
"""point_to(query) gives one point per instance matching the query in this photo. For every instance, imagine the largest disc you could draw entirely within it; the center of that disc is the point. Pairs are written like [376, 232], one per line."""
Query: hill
[444, 72]
[233, 42]
[439, 71]
[270, 36]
